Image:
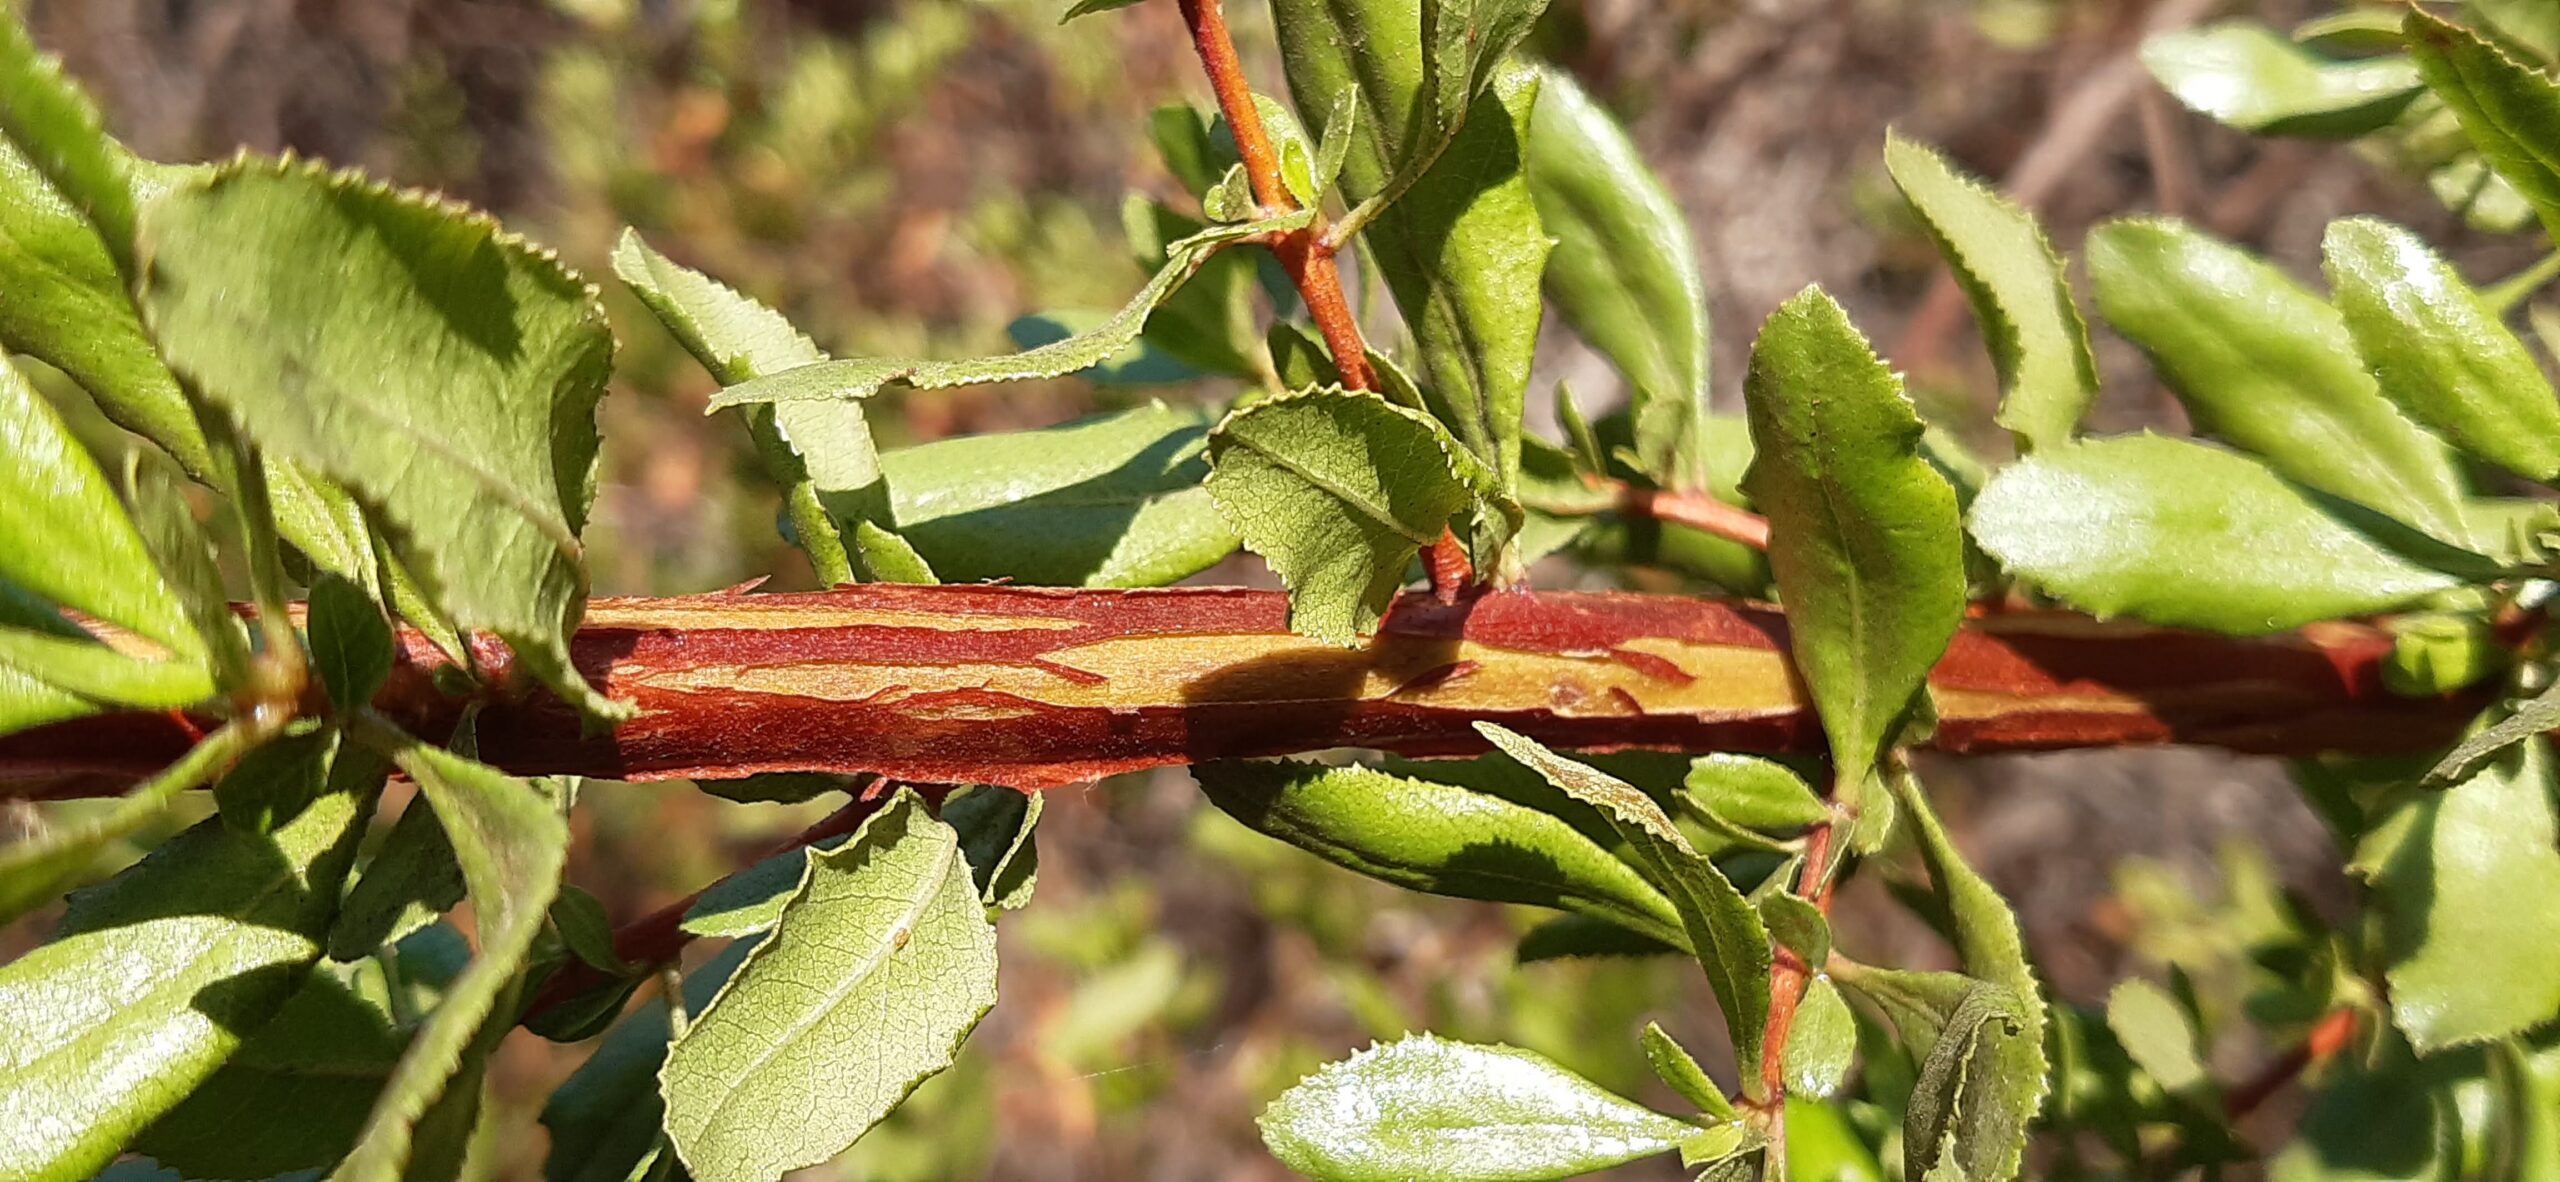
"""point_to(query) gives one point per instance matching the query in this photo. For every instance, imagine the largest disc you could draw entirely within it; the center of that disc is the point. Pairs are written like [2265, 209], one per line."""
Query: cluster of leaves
[396, 400]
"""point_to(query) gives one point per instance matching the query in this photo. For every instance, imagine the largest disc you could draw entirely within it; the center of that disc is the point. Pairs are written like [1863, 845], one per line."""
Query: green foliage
[1624, 273]
[2180, 533]
[776, 1074]
[1338, 489]
[2272, 369]
[2255, 79]
[2020, 297]
[397, 341]
[2510, 110]
[1428, 1107]
[1863, 532]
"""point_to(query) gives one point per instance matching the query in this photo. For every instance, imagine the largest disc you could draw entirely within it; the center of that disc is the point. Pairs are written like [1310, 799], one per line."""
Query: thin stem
[2502, 297]
[1790, 976]
[1698, 511]
[2334, 1031]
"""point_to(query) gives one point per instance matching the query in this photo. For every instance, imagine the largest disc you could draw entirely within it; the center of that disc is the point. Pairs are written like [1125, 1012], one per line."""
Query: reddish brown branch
[1039, 688]
[1301, 252]
[2333, 1033]
[1698, 511]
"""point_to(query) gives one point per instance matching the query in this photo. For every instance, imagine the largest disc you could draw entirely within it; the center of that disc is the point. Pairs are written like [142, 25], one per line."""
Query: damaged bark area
[1038, 688]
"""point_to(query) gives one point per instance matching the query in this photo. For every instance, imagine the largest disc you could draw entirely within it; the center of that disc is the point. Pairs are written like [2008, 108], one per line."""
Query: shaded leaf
[2253, 78]
[779, 1074]
[1439, 838]
[2179, 533]
[2438, 352]
[157, 977]
[1427, 1107]
[351, 644]
[1338, 490]
[2155, 1030]
[1111, 501]
[1863, 533]
[1572, 937]
[411, 880]
[511, 844]
[444, 371]
[997, 835]
[604, 1119]
[2467, 881]
[2020, 297]
[2271, 368]
[1624, 272]
[33, 870]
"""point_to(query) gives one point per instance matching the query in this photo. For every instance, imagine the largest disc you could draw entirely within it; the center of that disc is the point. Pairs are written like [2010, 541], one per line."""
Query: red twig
[1697, 511]
[2326, 1039]
[1789, 977]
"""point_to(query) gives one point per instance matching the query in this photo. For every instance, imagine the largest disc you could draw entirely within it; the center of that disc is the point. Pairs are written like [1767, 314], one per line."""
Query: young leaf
[511, 843]
[411, 880]
[1863, 532]
[1089, 7]
[1111, 501]
[1625, 271]
[1756, 794]
[2270, 368]
[2510, 111]
[65, 537]
[34, 869]
[323, 1060]
[2438, 353]
[2020, 298]
[2157, 1033]
[157, 977]
[1425, 1107]
[1679, 1071]
[2468, 884]
[441, 369]
[883, 961]
[351, 644]
[2183, 534]
[605, 1119]
[860, 378]
[1724, 929]
[1439, 838]
[1338, 490]
[1823, 1042]
[2253, 78]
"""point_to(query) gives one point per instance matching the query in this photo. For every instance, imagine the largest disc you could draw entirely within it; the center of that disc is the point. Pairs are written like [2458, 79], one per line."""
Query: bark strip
[1037, 688]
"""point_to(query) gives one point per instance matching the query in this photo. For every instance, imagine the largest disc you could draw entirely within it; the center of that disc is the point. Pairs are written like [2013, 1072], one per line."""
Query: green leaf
[1440, 838]
[411, 880]
[1724, 929]
[996, 834]
[304, 1084]
[1111, 501]
[1821, 1144]
[1679, 1071]
[1753, 793]
[67, 539]
[1984, 1079]
[751, 900]
[1206, 325]
[351, 644]
[883, 962]
[605, 1118]
[2179, 533]
[1338, 490]
[443, 370]
[184, 552]
[2271, 368]
[1461, 249]
[2253, 78]
[2387, 1123]
[1863, 532]
[2510, 111]
[1625, 271]
[61, 135]
[2438, 352]
[820, 452]
[1797, 925]
[1823, 1042]
[511, 843]
[1571, 937]
[157, 977]
[1089, 7]
[2021, 299]
[860, 378]
[2467, 881]
[2157, 1033]
[1425, 1107]
[33, 870]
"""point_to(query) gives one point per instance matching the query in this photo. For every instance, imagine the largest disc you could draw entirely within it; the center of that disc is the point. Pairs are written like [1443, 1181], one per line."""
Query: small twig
[1790, 977]
[1698, 511]
[658, 938]
[2330, 1036]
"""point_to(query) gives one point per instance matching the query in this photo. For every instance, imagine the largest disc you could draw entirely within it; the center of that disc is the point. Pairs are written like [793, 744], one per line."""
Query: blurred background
[911, 176]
